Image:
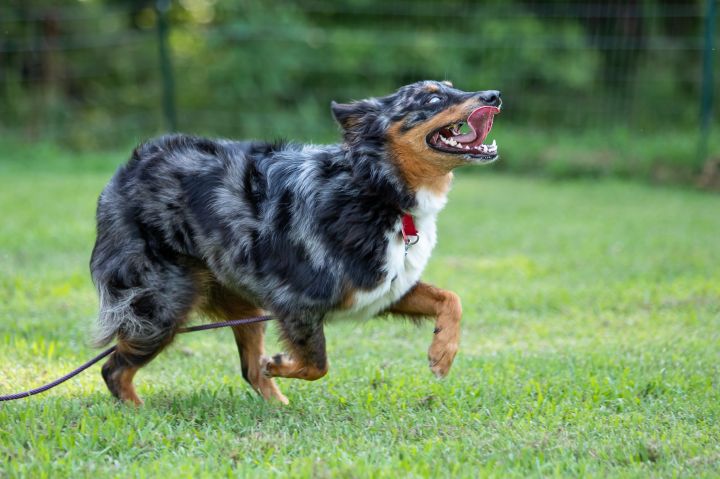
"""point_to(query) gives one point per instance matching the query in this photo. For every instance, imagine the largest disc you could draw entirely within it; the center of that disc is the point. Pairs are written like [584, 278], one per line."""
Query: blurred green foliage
[86, 73]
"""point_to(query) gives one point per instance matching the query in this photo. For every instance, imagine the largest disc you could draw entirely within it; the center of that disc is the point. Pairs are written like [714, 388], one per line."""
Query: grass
[590, 347]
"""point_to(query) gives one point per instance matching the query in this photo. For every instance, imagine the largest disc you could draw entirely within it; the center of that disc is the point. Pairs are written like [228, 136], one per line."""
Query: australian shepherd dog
[306, 233]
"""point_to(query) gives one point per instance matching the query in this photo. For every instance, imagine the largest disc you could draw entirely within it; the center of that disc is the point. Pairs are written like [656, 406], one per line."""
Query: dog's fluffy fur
[306, 233]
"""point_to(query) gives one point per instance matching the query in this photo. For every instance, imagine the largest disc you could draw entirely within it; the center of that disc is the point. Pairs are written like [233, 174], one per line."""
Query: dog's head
[429, 127]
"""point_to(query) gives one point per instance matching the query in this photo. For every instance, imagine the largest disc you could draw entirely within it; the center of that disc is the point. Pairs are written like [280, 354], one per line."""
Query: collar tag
[409, 232]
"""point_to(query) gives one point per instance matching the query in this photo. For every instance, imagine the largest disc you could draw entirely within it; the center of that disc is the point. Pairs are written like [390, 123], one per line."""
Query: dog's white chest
[403, 270]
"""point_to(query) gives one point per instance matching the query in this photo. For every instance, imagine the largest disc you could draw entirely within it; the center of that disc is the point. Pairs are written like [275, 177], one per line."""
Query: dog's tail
[117, 280]
[117, 313]
[122, 274]
[106, 328]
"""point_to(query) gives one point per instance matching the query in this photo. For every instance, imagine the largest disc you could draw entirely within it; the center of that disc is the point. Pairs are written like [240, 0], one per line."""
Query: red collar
[409, 231]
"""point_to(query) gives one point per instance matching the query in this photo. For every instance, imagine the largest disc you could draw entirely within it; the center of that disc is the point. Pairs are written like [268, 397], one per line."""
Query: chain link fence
[105, 74]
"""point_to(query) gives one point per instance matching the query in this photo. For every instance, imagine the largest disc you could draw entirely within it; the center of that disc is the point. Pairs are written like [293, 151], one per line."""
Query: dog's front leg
[307, 359]
[427, 300]
[250, 339]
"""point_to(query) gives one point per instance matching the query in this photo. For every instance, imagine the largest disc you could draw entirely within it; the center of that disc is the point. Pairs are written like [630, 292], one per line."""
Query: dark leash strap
[107, 352]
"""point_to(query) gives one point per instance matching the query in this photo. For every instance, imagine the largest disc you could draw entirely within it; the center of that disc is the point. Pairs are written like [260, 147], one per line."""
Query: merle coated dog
[307, 233]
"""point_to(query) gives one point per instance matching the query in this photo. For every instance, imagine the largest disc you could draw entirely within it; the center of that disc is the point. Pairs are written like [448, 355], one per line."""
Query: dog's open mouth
[450, 138]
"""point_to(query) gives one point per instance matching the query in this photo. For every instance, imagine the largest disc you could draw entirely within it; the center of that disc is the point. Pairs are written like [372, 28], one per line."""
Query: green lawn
[590, 347]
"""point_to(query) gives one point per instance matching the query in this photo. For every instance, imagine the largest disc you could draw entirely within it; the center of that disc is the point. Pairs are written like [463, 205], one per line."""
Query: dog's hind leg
[250, 339]
[144, 316]
[119, 370]
[424, 300]
[138, 346]
[307, 359]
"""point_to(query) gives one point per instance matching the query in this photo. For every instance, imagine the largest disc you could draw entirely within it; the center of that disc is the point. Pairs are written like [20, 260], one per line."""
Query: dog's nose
[490, 97]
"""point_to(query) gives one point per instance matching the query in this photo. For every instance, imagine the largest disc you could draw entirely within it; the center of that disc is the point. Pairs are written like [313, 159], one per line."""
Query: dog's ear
[356, 118]
[347, 115]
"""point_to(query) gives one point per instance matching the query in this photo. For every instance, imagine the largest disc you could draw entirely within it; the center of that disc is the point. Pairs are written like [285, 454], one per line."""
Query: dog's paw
[270, 366]
[119, 382]
[275, 395]
[264, 366]
[263, 383]
[441, 356]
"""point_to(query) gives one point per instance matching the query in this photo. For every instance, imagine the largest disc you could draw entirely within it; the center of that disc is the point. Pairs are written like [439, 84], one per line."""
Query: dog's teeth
[467, 147]
[494, 145]
[452, 142]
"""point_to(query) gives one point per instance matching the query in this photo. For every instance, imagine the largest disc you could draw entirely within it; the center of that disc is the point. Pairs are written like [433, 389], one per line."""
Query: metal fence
[106, 75]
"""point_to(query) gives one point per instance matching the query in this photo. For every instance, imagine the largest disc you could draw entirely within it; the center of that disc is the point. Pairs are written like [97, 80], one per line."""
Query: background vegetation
[590, 87]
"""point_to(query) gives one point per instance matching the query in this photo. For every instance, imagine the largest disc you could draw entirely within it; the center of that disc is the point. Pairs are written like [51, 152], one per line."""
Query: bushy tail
[117, 314]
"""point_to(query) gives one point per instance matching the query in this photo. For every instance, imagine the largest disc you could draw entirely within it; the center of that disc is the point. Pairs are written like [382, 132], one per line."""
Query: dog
[307, 233]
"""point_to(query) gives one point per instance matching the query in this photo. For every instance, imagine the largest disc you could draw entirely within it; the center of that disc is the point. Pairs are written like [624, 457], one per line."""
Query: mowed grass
[590, 348]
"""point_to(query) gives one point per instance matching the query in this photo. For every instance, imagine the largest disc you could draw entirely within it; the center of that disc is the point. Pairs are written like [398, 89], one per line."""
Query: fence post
[707, 79]
[168, 86]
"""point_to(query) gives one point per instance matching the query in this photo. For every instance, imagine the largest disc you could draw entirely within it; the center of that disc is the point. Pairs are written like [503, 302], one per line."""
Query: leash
[107, 352]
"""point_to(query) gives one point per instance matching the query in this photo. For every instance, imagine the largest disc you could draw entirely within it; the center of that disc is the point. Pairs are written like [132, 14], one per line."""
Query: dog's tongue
[480, 122]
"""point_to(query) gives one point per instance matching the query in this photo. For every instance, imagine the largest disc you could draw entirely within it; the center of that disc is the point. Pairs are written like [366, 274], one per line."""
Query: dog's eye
[432, 99]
